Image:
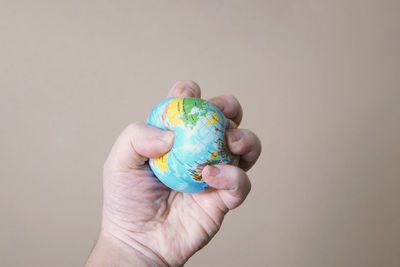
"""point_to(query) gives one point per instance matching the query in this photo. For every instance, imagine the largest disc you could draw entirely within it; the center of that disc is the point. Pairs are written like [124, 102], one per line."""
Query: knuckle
[233, 102]
[192, 84]
[231, 98]
[235, 109]
[188, 87]
[253, 140]
[132, 127]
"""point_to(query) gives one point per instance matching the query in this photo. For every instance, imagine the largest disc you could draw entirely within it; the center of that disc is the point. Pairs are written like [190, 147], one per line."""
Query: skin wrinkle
[204, 211]
[158, 217]
[140, 157]
[163, 207]
[223, 211]
[125, 222]
[183, 226]
[205, 232]
[160, 220]
[141, 178]
[140, 244]
[129, 245]
[141, 236]
[158, 225]
[172, 245]
[170, 199]
[125, 210]
[167, 242]
[222, 199]
[157, 254]
[161, 258]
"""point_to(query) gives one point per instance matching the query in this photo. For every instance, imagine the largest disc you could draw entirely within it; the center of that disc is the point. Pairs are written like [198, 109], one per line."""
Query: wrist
[110, 251]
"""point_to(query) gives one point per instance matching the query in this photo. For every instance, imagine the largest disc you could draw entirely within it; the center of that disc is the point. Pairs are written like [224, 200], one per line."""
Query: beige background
[319, 82]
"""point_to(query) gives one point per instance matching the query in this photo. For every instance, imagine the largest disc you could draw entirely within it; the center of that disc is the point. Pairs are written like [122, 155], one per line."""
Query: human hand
[146, 223]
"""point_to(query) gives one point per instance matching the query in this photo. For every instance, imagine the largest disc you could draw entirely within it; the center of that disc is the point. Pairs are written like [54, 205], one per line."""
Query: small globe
[199, 129]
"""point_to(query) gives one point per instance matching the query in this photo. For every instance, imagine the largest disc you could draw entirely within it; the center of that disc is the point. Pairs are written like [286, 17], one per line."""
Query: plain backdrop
[319, 82]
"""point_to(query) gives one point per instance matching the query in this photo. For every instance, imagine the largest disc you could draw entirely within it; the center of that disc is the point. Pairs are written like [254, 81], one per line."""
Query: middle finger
[230, 106]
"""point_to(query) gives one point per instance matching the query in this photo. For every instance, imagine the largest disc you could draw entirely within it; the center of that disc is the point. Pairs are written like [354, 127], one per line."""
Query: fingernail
[212, 170]
[233, 136]
[167, 137]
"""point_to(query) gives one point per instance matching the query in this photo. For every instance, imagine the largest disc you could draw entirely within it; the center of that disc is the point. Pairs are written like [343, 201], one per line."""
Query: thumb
[136, 144]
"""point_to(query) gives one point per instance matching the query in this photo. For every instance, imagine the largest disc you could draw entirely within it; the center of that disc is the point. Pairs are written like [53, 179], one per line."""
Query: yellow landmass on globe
[213, 119]
[174, 111]
[161, 163]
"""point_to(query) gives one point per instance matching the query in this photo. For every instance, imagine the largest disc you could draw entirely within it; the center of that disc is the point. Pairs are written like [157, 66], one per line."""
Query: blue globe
[199, 129]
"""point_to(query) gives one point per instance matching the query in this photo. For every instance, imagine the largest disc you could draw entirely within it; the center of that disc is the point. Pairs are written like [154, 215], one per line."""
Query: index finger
[185, 89]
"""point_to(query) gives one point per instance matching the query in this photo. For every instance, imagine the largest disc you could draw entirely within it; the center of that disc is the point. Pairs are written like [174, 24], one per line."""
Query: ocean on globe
[199, 129]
